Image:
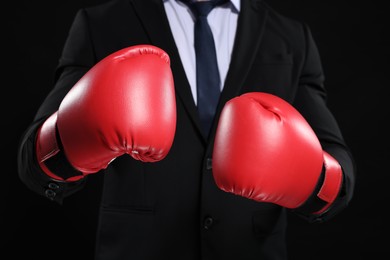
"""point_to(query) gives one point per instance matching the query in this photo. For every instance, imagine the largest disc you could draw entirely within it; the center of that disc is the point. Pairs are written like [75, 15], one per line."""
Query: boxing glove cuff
[332, 182]
[49, 153]
[327, 189]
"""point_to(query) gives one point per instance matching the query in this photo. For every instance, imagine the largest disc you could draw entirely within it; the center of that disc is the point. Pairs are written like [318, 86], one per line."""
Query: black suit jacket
[172, 209]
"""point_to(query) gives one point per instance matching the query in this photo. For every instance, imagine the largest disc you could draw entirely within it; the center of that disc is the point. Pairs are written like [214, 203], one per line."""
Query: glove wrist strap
[50, 155]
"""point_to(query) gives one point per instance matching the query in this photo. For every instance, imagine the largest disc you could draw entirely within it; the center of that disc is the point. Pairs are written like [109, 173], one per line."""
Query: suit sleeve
[310, 100]
[76, 59]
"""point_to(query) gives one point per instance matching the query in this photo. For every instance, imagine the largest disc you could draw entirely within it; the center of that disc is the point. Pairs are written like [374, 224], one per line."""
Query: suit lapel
[153, 17]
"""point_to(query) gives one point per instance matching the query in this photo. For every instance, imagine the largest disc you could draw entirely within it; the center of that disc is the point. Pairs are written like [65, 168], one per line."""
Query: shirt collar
[236, 4]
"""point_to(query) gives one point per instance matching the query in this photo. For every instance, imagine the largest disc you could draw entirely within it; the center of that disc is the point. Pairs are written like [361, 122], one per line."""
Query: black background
[354, 43]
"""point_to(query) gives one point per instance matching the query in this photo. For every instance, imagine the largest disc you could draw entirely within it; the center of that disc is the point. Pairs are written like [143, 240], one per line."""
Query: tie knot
[202, 8]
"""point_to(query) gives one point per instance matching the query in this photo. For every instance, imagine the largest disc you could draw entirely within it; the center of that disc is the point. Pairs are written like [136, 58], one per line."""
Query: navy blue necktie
[207, 74]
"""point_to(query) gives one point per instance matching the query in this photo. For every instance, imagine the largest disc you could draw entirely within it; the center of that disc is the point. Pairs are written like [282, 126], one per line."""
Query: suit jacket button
[209, 164]
[50, 194]
[53, 186]
[208, 222]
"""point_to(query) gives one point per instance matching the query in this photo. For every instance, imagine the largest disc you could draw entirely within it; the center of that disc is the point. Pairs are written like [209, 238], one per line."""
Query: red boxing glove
[125, 104]
[266, 151]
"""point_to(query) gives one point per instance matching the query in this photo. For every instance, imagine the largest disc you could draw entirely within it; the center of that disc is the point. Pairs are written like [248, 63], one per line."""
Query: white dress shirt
[223, 23]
